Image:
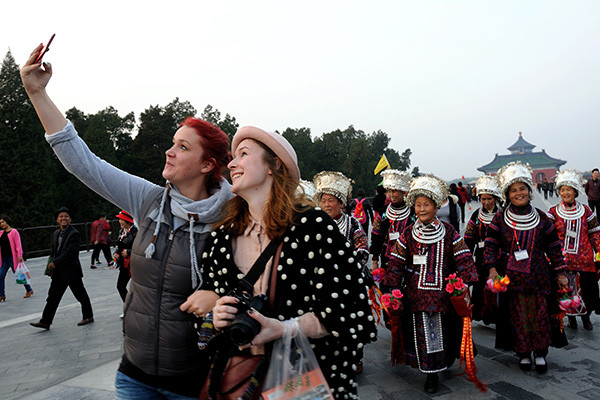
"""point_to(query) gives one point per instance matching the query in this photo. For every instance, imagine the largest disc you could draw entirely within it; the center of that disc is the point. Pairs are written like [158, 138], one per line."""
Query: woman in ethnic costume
[397, 216]
[489, 194]
[332, 190]
[426, 253]
[579, 233]
[319, 281]
[520, 241]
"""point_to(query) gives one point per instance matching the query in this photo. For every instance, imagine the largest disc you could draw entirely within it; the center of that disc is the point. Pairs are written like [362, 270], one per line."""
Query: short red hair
[215, 144]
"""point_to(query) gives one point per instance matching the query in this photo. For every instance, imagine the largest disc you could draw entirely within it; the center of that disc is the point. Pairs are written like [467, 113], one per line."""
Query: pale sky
[454, 81]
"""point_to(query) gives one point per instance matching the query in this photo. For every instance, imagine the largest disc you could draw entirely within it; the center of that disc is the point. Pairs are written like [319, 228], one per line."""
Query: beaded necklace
[484, 216]
[428, 233]
[343, 222]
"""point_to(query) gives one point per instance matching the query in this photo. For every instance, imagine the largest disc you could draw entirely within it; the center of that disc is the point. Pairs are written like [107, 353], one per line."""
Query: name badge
[571, 233]
[481, 245]
[420, 259]
[394, 235]
[521, 255]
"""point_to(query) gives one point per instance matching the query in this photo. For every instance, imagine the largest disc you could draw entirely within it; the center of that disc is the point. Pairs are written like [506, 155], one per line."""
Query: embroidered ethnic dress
[318, 272]
[579, 233]
[475, 234]
[354, 233]
[387, 228]
[530, 297]
[432, 339]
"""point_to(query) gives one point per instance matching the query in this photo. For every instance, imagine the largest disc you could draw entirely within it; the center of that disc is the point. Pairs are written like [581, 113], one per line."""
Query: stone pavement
[71, 362]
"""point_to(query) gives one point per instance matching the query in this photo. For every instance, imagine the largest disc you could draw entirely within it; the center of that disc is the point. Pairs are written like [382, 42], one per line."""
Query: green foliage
[228, 125]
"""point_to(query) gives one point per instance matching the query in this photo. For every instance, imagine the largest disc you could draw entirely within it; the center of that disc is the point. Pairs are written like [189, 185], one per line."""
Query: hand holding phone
[44, 50]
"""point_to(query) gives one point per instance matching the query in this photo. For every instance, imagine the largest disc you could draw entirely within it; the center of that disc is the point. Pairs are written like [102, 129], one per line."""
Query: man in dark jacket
[592, 190]
[65, 272]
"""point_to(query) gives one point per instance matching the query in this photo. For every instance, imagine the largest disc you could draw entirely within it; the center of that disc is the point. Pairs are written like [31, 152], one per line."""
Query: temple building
[542, 164]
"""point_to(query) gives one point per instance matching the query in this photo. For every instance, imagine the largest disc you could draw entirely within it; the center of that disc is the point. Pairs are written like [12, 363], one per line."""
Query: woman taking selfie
[161, 358]
[318, 279]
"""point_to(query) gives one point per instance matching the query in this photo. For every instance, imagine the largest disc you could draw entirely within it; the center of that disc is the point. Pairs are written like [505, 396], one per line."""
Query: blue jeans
[129, 389]
[7, 263]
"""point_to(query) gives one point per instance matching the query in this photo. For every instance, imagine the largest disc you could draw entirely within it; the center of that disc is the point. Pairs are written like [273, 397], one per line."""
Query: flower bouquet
[392, 300]
[498, 284]
[378, 274]
[459, 295]
[569, 303]
[393, 306]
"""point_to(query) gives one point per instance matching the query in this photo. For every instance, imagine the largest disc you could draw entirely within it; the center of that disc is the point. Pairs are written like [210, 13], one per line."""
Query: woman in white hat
[424, 255]
[520, 241]
[489, 194]
[397, 216]
[319, 282]
[579, 233]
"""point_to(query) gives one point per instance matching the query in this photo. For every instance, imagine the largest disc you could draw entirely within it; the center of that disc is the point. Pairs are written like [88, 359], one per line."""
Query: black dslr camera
[244, 328]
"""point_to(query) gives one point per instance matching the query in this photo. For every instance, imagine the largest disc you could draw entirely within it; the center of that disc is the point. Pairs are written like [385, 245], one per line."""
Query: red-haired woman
[318, 279]
[161, 356]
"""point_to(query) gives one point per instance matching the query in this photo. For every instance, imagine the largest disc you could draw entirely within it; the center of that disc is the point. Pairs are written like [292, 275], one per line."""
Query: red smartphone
[44, 49]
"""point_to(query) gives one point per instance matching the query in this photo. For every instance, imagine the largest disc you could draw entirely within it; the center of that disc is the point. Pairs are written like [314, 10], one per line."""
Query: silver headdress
[309, 188]
[396, 180]
[512, 173]
[333, 183]
[488, 185]
[429, 186]
[571, 178]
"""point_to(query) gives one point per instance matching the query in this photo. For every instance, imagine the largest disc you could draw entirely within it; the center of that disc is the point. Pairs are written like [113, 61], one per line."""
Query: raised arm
[35, 78]
[117, 186]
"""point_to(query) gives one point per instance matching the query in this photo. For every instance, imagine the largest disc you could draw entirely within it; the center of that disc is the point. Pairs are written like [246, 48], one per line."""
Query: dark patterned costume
[318, 272]
[354, 233]
[383, 228]
[432, 334]
[580, 238]
[474, 236]
[530, 299]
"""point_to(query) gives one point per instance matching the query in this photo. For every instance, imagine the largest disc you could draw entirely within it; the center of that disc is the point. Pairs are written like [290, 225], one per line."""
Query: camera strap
[247, 282]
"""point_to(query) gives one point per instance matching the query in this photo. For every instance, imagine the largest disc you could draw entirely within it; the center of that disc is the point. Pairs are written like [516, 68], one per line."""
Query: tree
[27, 164]
[228, 125]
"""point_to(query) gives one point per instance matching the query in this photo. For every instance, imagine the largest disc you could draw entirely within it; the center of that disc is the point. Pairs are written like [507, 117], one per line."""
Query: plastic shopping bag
[22, 274]
[293, 371]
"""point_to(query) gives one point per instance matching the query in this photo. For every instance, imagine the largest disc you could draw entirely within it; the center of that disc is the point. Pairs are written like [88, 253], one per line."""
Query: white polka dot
[352, 315]
[348, 277]
[373, 334]
[224, 270]
[321, 271]
[228, 256]
[334, 367]
[302, 271]
[360, 313]
[293, 228]
[330, 227]
[334, 295]
[226, 237]
[318, 236]
[328, 310]
[279, 267]
[311, 255]
[362, 295]
[240, 276]
[319, 285]
[213, 234]
[287, 239]
[300, 312]
[216, 283]
[293, 286]
[223, 249]
[350, 260]
[345, 291]
[347, 244]
[289, 302]
[211, 275]
[306, 298]
[283, 277]
[370, 318]
[306, 238]
[329, 240]
[294, 245]
[319, 219]
[335, 333]
[303, 220]
[341, 252]
[327, 256]
[336, 279]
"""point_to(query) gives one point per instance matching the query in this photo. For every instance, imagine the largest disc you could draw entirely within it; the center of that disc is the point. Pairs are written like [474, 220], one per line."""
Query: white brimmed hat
[488, 185]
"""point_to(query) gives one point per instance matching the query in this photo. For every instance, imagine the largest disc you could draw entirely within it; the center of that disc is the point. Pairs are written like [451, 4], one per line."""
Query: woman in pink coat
[11, 254]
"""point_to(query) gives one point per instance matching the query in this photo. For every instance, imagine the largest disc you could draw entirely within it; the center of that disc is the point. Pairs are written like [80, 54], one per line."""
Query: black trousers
[96, 253]
[55, 293]
[594, 206]
[122, 281]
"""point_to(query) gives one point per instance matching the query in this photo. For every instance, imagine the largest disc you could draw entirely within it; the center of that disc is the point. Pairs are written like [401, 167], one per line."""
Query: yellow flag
[382, 164]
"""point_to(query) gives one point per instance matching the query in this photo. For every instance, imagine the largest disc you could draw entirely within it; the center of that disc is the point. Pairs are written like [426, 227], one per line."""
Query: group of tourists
[205, 248]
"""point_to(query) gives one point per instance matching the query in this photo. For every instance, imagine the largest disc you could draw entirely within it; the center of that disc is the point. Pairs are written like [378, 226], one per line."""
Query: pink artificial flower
[386, 299]
[395, 304]
[451, 276]
[397, 293]
[459, 284]
[450, 288]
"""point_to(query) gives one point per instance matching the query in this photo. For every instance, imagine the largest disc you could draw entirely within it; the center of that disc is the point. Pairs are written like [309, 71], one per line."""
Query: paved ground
[71, 362]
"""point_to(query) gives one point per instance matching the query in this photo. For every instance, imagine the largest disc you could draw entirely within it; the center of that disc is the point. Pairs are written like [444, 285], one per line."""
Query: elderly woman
[332, 190]
[579, 233]
[424, 255]
[397, 216]
[314, 277]
[520, 241]
[489, 194]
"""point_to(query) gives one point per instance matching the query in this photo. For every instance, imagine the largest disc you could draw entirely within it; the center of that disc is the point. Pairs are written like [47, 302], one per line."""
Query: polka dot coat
[318, 272]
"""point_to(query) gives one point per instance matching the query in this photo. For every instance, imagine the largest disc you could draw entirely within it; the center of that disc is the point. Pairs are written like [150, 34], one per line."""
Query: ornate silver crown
[429, 186]
[512, 173]
[572, 178]
[333, 183]
[396, 180]
[488, 185]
